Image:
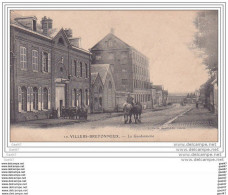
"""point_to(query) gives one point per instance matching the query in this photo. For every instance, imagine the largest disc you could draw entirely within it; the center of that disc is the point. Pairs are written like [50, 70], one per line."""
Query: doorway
[59, 98]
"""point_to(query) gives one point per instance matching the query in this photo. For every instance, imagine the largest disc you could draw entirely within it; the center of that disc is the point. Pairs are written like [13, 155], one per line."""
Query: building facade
[108, 102]
[97, 89]
[41, 70]
[130, 68]
[176, 98]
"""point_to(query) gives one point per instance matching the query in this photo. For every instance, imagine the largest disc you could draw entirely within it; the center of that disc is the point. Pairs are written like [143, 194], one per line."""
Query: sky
[165, 37]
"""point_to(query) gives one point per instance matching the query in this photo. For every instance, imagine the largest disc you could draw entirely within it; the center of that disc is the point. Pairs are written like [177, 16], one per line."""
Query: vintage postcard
[114, 75]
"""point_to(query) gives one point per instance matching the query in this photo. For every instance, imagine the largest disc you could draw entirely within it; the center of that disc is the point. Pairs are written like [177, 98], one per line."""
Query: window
[35, 98]
[45, 98]
[23, 58]
[86, 69]
[123, 55]
[124, 81]
[110, 85]
[75, 68]
[110, 56]
[100, 90]
[46, 62]
[80, 69]
[61, 41]
[98, 57]
[110, 44]
[80, 98]
[87, 97]
[24, 98]
[100, 101]
[35, 60]
[124, 70]
[75, 97]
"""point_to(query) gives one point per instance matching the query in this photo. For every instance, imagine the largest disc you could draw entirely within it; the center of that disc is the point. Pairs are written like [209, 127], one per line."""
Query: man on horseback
[130, 99]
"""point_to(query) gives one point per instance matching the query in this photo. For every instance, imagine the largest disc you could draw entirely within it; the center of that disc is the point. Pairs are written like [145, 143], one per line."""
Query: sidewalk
[196, 118]
[45, 123]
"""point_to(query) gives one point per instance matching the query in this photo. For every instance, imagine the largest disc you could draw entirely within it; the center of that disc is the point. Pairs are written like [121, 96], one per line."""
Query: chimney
[68, 32]
[112, 31]
[76, 42]
[46, 25]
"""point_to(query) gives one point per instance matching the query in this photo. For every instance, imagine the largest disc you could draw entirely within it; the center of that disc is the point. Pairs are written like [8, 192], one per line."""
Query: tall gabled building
[130, 68]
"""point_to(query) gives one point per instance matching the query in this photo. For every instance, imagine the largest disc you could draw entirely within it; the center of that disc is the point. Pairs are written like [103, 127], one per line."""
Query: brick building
[45, 72]
[130, 68]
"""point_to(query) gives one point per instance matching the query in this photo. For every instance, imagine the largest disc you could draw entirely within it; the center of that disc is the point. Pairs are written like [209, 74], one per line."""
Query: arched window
[75, 97]
[61, 41]
[110, 85]
[86, 97]
[100, 90]
[75, 67]
[80, 69]
[45, 98]
[100, 101]
[80, 98]
[86, 69]
[35, 98]
[24, 98]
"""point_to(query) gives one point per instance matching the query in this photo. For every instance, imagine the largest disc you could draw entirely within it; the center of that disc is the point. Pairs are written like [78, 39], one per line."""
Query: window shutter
[43, 61]
[37, 56]
[73, 98]
[49, 62]
[31, 92]
[88, 96]
[49, 98]
[33, 65]
[25, 59]
[42, 99]
[39, 98]
[19, 99]
[28, 99]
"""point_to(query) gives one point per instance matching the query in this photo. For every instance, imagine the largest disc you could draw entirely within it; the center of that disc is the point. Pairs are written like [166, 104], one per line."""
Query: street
[176, 123]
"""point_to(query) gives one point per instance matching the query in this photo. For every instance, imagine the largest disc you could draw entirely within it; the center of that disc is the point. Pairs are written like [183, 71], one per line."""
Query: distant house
[159, 94]
[164, 97]
[97, 89]
[209, 93]
[176, 98]
[109, 90]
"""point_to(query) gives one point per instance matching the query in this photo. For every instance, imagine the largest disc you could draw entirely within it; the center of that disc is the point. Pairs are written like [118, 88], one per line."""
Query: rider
[130, 99]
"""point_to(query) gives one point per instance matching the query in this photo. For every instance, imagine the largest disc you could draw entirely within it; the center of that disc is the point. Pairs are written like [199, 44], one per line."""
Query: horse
[127, 109]
[137, 111]
[130, 110]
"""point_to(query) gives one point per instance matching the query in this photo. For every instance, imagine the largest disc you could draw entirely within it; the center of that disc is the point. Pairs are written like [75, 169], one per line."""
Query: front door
[59, 97]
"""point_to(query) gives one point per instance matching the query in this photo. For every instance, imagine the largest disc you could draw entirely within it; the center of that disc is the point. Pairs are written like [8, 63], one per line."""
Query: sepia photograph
[114, 76]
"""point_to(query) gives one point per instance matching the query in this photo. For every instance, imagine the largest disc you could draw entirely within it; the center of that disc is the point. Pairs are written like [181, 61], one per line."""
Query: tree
[206, 37]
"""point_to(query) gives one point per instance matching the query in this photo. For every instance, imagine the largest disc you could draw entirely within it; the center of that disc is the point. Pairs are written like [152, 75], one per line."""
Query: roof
[157, 87]
[110, 34]
[102, 69]
[127, 45]
[14, 17]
